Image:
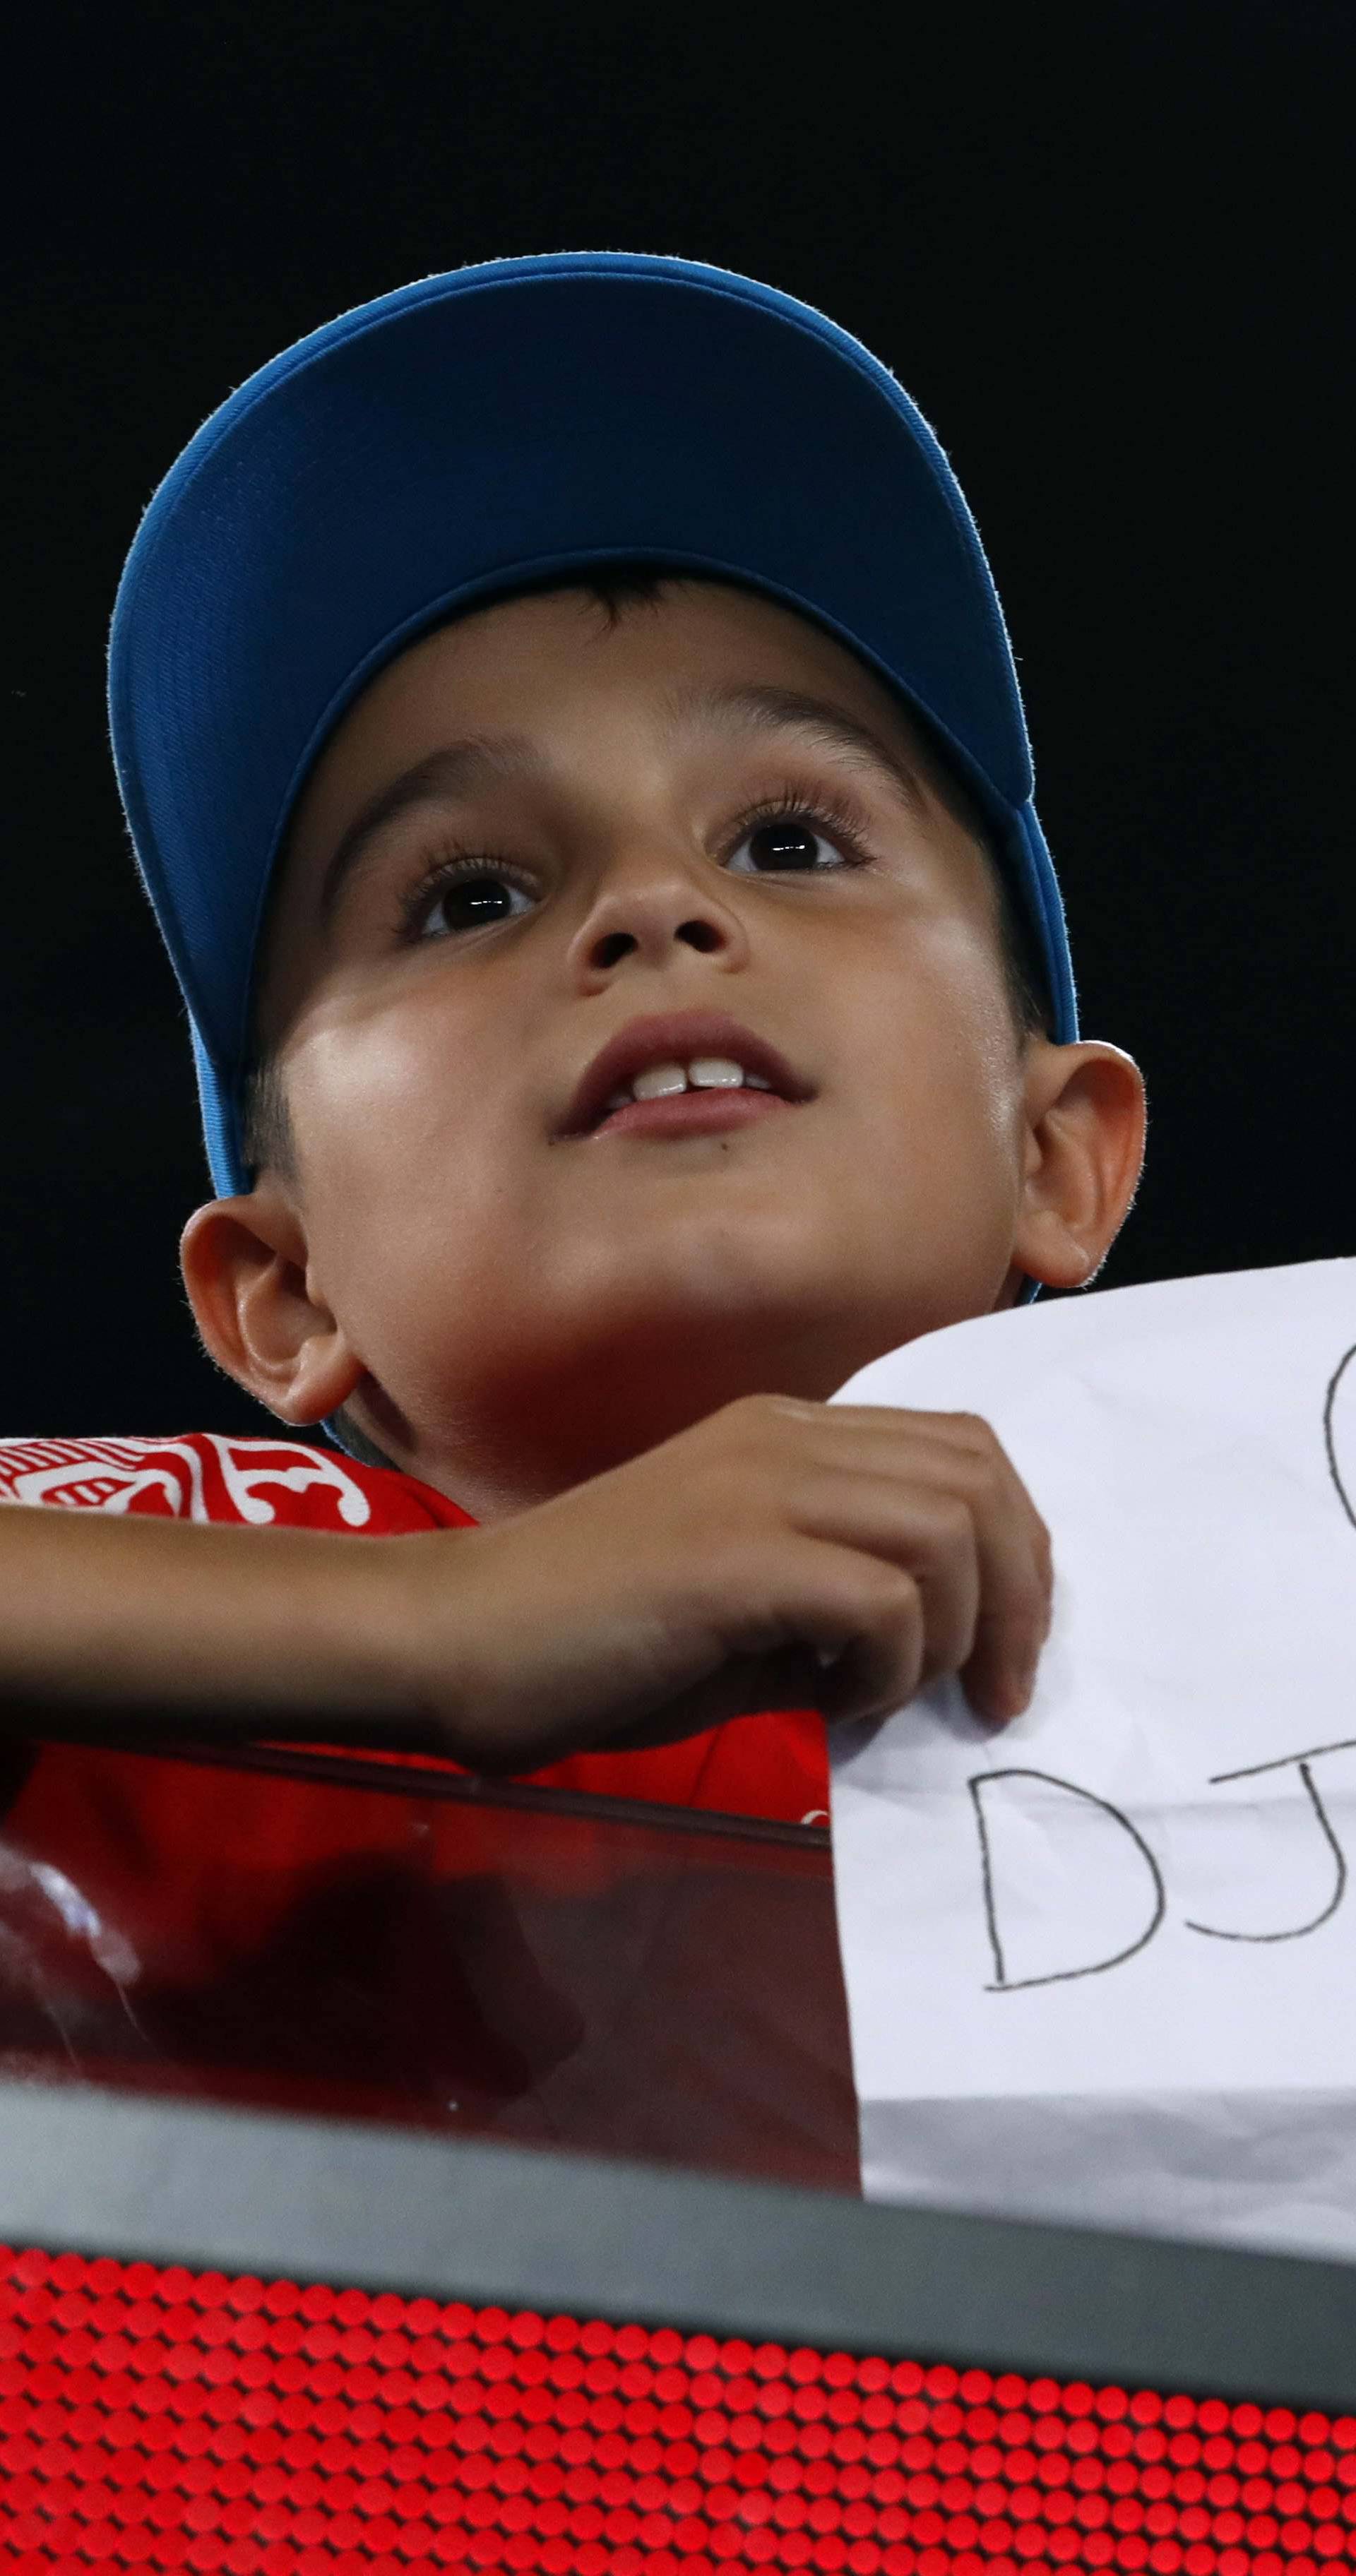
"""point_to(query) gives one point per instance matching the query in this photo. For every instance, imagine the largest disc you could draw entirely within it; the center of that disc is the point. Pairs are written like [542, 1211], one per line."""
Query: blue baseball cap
[489, 429]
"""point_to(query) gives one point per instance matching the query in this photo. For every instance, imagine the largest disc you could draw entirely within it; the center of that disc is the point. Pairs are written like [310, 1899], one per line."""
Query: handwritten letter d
[1070, 1885]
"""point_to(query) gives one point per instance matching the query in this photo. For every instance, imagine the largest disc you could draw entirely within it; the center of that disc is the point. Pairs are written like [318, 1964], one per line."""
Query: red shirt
[772, 1765]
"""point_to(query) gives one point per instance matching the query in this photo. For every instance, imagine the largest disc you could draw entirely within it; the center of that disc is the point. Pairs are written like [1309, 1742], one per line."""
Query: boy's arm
[780, 1553]
[177, 1628]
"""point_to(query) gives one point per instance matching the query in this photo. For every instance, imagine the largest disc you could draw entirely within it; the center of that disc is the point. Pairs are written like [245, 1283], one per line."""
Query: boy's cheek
[373, 1098]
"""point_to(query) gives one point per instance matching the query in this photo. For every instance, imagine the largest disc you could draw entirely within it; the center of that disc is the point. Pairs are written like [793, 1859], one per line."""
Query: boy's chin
[700, 1342]
[528, 1409]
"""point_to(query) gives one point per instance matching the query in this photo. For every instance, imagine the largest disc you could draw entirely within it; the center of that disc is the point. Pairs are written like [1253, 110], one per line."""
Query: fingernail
[1022, 1690]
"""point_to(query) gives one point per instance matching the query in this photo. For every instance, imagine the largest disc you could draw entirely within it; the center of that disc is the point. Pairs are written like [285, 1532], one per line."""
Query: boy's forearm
[108, 1623]
[844, 1553]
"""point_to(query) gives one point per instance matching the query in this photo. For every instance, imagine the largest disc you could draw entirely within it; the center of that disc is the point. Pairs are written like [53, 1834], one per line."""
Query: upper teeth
[705, 1073]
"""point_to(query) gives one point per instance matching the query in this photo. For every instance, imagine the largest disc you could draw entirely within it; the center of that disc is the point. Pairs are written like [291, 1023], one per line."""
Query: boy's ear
[257, 1308]
[1084, 1149]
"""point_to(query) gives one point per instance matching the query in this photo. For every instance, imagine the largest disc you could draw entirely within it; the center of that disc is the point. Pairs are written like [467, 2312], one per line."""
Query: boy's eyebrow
[765, 709]
[455, 771]
[458, 769]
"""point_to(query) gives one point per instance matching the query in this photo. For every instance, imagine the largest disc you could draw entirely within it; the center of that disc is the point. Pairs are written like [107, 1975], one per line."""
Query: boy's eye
[469, 900]
[787, 842]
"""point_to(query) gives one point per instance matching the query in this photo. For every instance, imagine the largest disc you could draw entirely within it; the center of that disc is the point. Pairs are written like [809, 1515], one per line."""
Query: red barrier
[165, 2418]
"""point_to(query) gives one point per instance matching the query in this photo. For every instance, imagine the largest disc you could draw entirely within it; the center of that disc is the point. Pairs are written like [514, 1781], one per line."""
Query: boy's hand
[778, 1554]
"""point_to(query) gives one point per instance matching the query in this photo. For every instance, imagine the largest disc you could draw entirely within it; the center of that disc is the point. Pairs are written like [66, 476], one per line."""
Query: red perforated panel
[172, 2419]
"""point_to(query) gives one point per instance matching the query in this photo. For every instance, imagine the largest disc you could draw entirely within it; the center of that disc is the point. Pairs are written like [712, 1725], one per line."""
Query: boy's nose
[643, 915]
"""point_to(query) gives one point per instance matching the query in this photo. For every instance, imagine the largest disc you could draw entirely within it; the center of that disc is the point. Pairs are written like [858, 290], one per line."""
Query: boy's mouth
[681, 1073]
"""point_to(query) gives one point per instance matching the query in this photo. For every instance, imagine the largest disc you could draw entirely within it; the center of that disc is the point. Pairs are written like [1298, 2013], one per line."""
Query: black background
[1100, 248]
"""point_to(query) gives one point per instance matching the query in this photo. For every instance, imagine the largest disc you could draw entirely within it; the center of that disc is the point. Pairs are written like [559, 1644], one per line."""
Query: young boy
[571, 744]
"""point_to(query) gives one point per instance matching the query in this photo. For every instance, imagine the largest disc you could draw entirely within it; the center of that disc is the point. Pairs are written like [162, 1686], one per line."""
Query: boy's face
[533, 832]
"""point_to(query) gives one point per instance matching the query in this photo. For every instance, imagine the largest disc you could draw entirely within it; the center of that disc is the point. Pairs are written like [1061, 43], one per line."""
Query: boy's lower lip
[692, 1113]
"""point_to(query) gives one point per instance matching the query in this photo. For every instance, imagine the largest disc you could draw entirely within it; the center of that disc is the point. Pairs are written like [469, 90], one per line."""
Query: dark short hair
[615, 588]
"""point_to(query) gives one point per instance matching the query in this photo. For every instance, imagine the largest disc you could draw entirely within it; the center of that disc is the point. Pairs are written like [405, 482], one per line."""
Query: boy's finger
[952, 1450]
[1016, 1573]
[854, 1625]
[928, 1534]
[956, 1459]
[1014, 1610]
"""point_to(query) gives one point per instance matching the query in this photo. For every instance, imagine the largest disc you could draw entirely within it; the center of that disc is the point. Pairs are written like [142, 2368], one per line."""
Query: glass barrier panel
[351, 1936]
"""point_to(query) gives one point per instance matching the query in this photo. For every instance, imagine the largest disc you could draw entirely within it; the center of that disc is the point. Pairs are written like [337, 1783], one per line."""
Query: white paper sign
[1101, 1964]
